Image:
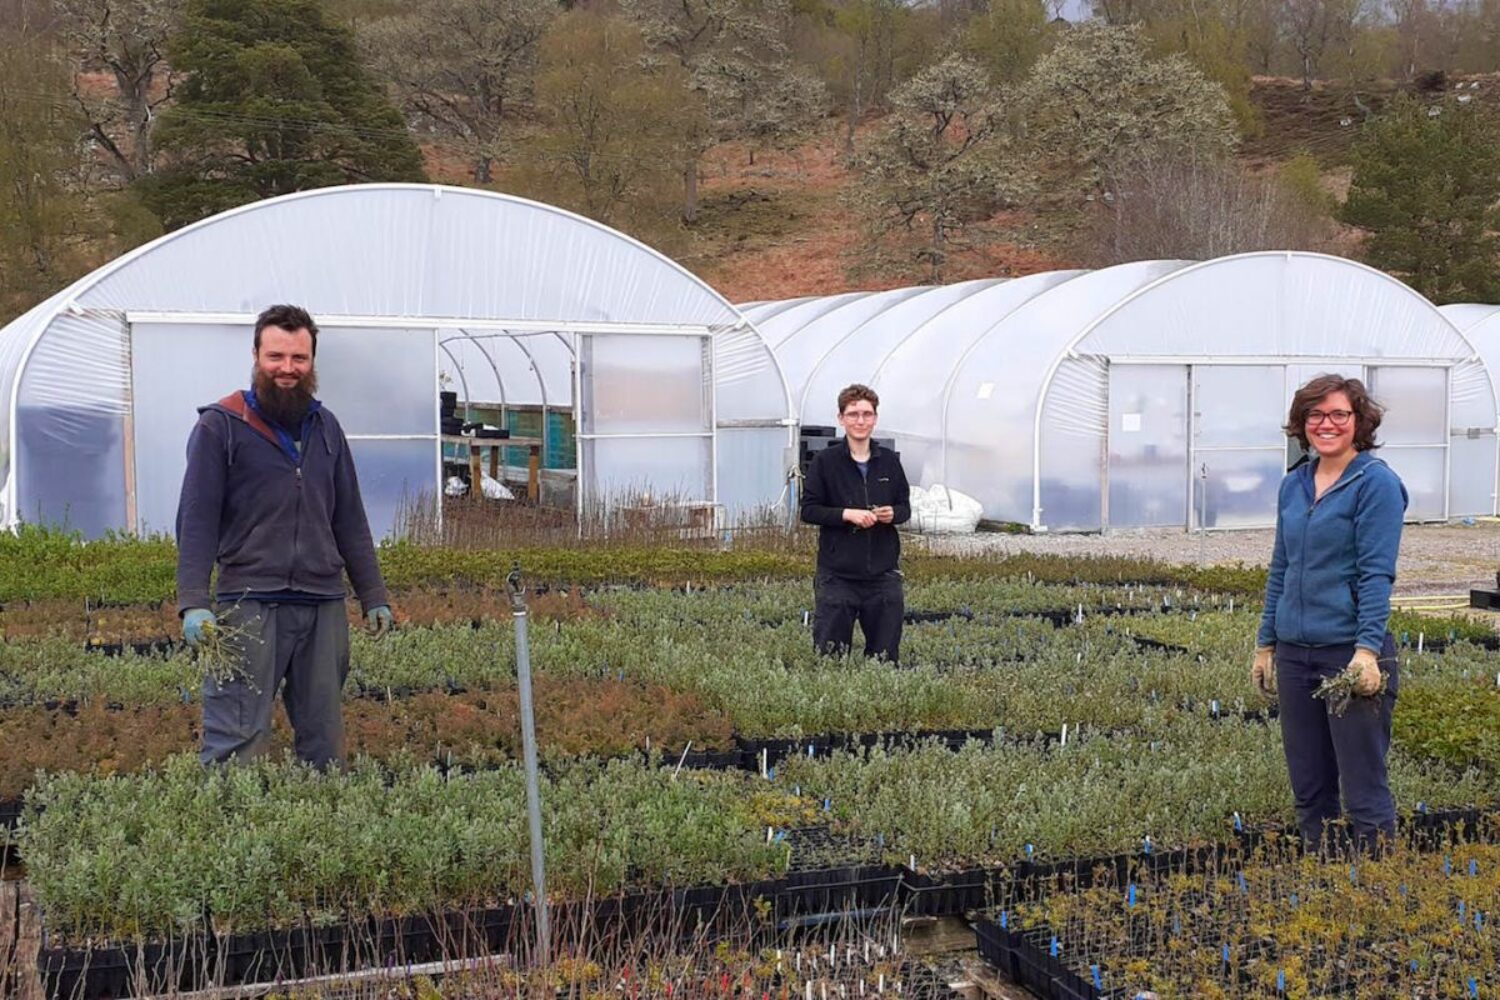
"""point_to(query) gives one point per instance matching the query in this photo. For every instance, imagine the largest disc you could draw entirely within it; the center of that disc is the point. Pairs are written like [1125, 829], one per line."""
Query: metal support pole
[528, 745]
[1202, 511]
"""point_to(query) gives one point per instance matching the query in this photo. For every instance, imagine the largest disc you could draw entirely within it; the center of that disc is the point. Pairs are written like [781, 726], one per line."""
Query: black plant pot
[85, 974]
[948, 894]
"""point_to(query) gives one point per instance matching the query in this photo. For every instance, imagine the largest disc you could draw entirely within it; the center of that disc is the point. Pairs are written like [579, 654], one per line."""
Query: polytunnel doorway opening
[507, 413]
[613, 424]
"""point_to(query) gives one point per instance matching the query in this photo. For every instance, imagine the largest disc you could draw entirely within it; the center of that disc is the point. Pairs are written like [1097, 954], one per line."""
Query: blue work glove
[380, 620]
[193, 623]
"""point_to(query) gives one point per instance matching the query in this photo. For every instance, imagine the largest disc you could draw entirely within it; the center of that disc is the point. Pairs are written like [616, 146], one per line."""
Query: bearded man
[271, 497]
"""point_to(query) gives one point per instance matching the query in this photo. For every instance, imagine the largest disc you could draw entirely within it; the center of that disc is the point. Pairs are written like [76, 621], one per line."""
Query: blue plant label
[1244, 885]
[1004, 920]
[1029, 850]
[1239, 824]
[1130, 896]
[1280, 980]
[1098, 980]
[1226, 954]
[1055, 946]
[1473, 867]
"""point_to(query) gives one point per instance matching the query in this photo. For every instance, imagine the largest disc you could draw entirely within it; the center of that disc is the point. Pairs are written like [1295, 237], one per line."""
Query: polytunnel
[1149, 394]
[1480, 325]
[525, 310]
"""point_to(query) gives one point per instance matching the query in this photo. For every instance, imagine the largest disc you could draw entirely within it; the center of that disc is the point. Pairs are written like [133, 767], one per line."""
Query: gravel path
[1435, 558]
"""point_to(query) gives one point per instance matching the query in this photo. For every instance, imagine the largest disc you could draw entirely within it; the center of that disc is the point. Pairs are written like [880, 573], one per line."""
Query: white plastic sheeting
[1474, 442]
[493, 291]
[1150, 393]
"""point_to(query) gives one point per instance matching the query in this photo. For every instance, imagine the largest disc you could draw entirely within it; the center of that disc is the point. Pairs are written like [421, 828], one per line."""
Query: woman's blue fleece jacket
[1335, 558]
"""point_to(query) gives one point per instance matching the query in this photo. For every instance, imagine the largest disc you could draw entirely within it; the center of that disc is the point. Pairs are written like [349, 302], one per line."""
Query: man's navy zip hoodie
[1335, 557]
[835, 482]
[273, 516]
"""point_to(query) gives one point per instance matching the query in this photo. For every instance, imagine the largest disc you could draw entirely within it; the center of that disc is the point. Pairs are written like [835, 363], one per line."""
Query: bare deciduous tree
[1317, 29]
[1183, 205]
[127, 40]
[735, 55]
[460, 65]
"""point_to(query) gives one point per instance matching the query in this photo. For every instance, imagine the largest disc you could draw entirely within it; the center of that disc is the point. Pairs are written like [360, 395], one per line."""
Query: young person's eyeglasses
[1336, 417]
[859, 415]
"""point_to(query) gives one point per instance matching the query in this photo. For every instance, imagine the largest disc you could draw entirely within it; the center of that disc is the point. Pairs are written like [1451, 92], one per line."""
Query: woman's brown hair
[1367, 412]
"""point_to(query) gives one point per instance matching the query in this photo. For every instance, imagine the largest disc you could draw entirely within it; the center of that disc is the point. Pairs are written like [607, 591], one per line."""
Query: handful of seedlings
[220, 654]
[1339, 690]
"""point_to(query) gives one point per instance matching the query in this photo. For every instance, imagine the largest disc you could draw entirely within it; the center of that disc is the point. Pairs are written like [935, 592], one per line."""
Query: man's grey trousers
[303, 647]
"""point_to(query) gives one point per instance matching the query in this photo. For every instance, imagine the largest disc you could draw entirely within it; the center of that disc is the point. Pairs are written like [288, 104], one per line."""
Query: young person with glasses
[856, 492]
[1328, 597]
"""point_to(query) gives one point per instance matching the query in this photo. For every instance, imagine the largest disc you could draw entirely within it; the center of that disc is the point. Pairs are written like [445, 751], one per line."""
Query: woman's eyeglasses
[1336, 417]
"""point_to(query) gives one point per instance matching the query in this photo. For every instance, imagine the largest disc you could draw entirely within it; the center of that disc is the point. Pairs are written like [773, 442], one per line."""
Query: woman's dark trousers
[1329, 757]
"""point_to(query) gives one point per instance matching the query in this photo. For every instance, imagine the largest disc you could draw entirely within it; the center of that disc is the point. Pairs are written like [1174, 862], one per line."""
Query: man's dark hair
[1367, 412]
[855, 393]
[288, 318]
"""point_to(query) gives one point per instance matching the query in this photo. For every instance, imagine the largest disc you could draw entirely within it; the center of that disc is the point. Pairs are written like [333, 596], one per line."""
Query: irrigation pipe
[1432, 607]
[391, 974]
[1423, 598]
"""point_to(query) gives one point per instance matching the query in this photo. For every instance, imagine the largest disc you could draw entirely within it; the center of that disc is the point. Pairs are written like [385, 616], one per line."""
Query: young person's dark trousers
[1330, 757]
[878, 605]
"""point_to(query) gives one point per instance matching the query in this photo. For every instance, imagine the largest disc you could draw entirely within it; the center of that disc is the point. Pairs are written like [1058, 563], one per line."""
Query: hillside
[778, 228]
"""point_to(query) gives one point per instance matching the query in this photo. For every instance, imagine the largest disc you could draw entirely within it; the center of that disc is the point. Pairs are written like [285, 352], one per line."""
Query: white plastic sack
[494, 489]
[937, 510]
[455, 487]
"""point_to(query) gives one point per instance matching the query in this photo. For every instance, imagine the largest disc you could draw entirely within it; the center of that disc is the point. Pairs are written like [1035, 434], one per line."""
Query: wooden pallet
[20, 942]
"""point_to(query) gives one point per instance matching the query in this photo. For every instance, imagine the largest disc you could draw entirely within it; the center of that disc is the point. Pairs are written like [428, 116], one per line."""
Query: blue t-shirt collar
[288, 443]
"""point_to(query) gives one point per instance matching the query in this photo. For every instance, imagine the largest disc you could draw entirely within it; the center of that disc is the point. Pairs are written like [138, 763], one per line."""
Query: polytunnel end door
[1240, 452]
[645, 419]
[1148, 448]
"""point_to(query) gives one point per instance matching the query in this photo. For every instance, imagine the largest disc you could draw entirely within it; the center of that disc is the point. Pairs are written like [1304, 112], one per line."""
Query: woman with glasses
[1338, 527]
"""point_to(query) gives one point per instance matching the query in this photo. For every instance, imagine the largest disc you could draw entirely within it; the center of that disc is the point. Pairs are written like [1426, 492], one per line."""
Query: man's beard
[287, 407]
